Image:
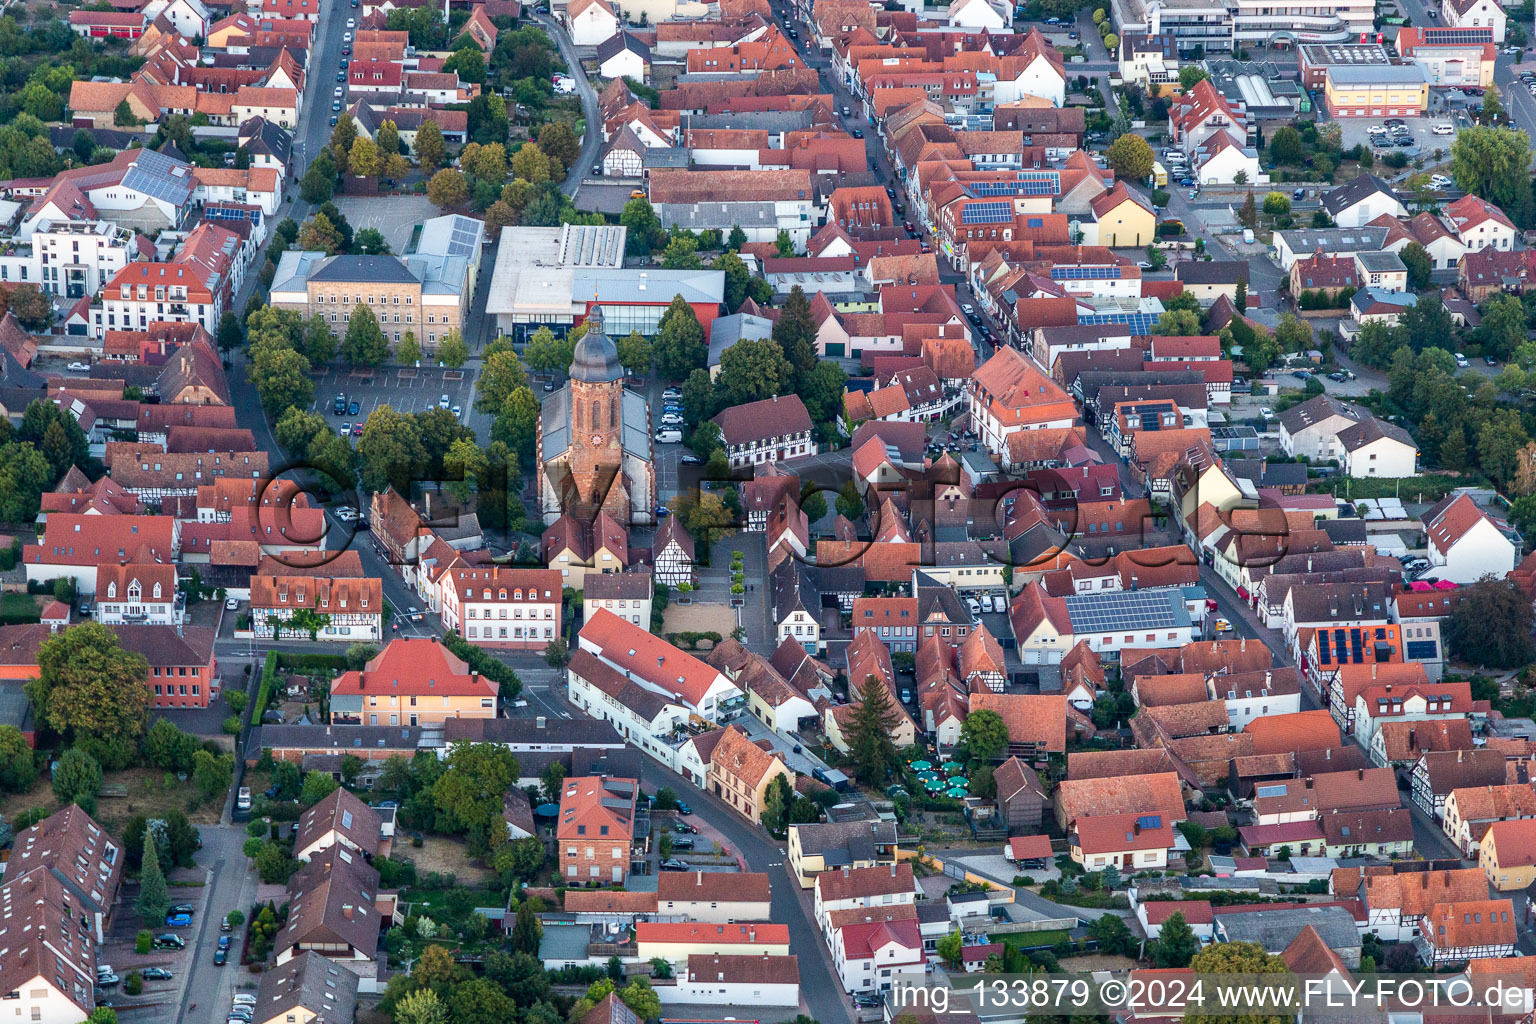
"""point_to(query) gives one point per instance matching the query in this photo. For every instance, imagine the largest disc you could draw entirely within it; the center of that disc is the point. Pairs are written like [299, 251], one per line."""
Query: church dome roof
[596, 360]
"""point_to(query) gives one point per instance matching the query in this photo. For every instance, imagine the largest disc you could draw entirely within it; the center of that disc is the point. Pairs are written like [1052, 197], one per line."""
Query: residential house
[341, 818]
[1129, 842]
[1470, 812]
[1507, 854]
[595, 830]
[1466, 542]
[741, 772]
[1454, 932]
[714, 897]
[766, 431]
[1360, 201]
[496, 606]
[412, 681]
[834, 845]
[335, 909]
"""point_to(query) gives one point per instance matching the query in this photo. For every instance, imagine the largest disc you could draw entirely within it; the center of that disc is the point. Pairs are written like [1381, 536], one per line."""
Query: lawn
[1030, 940]
[444, 855]
[16, 608]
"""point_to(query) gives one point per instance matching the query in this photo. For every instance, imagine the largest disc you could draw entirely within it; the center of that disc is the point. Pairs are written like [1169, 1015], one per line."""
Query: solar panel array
[1104, 273]
[1454, 36]
[1128, 610]
[986, 213]
[1139, 323]
[461, 242]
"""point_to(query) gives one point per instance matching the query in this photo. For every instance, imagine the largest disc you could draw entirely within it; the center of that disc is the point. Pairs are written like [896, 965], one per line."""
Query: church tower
[597, 425]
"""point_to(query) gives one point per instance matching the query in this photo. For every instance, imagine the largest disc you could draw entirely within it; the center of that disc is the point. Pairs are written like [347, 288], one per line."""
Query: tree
[1293, 334]
[1277, 204]
[1248, 215]
[390, 450]
[1177, 322]
[681, 253]
[409, 349]
[343, 135]
[1285, 146]
[753, 370]
[1176, 944]
[364, 159]
[317, 786]
[154, 896]
[319, 344]
[18, 763]
[1112, 935]
[500, 375]
[429, 146]
[448, 188]
[557, 653]
[211, 773]
[1490, 625]
[869, 734]
[1419, 266]
[388, 139]
[451, 350]
[320, 234]
[1491, 107]
[77, 779]
[319, 181]
[1190, 75]
[1494, 164]
[795, 331]
[545, 353]
[813, 502]
[487, 163]
[559, 142]
[467, 796]
[645, 230]
[635, 353]
[985, 735]
[1498, 445]
[421, 1007]
[641, 998]
[950, 947]
[168, 748]
[1130, 156]
[371, 242]
[230, 336]
[526, 930]
[364, 343]
[1237, 958]
[680, 346]
[737, 239]
[89, 686]
[784, 243]
[849, 504]
[531, 164]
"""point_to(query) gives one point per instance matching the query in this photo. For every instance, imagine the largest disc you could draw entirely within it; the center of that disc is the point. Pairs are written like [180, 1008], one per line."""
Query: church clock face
[597, 440]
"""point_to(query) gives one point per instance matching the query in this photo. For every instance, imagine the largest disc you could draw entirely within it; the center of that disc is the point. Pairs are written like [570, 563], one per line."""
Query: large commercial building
[555, 276]
[1392, 90]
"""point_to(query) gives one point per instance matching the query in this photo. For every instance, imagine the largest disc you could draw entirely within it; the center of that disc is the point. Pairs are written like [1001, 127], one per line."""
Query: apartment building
[494, 606]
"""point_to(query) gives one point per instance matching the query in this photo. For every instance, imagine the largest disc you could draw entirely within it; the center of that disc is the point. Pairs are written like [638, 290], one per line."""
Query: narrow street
[592, 138]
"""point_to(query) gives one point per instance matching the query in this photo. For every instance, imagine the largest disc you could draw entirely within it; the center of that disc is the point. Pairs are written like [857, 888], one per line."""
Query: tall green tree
[795, 331]
[390, 450]
[1495, 164]
[154, 895]
[869, 734]
[635, 353]
[77, 779]
[751, 370]
[364, 344]
[1176, 943]
[545, 353]
[680, 346]
[526, 930]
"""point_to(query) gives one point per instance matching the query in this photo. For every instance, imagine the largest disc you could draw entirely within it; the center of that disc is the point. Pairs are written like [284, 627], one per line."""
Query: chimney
[1360, 774]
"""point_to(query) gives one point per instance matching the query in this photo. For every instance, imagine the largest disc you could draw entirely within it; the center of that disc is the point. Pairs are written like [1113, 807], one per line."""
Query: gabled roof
[1351, 192]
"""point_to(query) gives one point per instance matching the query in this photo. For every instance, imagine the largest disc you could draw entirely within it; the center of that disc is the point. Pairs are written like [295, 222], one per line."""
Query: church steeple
[596, 359]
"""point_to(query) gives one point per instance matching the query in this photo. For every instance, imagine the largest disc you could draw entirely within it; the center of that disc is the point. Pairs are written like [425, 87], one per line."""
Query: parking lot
[403, 389]
[119, 953]
[1356, 131]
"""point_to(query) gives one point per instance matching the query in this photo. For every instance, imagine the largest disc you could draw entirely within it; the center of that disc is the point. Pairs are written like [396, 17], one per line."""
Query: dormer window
[111, 591]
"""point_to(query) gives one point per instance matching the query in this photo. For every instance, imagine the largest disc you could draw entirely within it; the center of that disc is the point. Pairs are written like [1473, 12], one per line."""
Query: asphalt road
[231, 886]
[592, 138]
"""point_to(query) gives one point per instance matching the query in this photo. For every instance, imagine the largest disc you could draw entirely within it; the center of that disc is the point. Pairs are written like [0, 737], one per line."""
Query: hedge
[481, 662]
[268, 681]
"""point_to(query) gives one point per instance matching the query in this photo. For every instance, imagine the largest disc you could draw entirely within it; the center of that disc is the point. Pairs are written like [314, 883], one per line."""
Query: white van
[669, 435]
[1444, 128]
[243, 801]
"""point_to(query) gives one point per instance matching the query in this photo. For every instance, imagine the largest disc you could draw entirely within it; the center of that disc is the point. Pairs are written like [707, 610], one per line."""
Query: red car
[910, 229]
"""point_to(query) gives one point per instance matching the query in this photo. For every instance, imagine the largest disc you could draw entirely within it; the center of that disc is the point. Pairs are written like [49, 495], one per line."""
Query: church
[594, 443]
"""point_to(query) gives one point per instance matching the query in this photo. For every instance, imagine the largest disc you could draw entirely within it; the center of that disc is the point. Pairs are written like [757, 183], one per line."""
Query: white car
[346, 37]
[244, 999]
[443, 403]
[79, 367]
[1223, 626]
[340, 91]
[1444, 128]
[231, 603]
[1267, 412]
[671, 419]
[351, 23]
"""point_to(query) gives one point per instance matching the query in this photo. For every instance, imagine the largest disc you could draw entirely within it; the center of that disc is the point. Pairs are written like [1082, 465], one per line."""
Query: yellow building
[1376, 90]
[577, 548]
[1123, 220]
[1507, 854]
[740, 773]
[676, 941]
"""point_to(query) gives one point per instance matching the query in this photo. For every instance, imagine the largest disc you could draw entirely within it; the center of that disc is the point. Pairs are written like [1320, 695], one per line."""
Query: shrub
[143, 942]
[133, 984]
[231, 725]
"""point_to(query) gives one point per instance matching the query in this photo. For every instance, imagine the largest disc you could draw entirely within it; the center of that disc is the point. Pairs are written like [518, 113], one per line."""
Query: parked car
[183, 908]
[107, 980]
[220, 958]
[156, 974]
[80, 367]
[169, 941]
[244, 999]
[674, 865]
[178, 920]
[223, 941]
[1301, 375]
[682, 828]
[683, 808]
[672, 393]
[691, 460]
